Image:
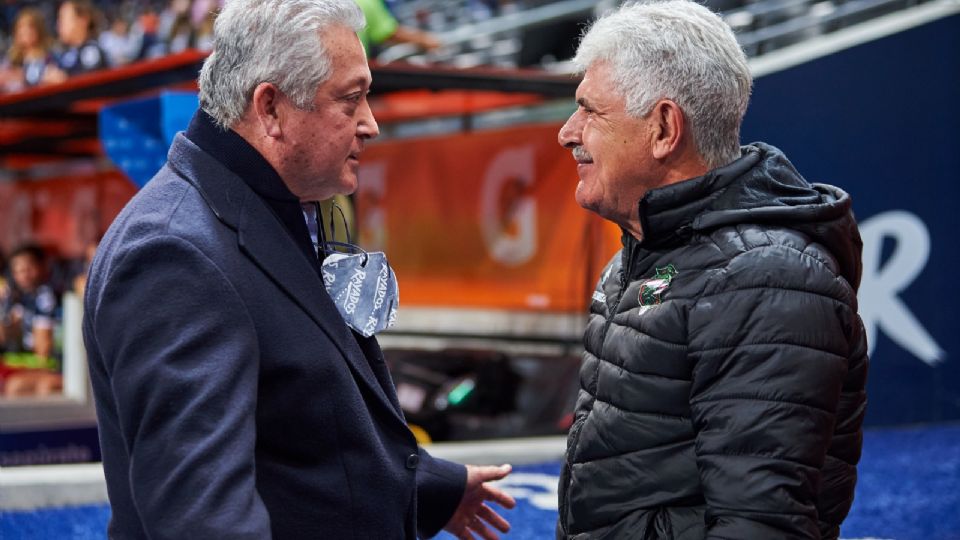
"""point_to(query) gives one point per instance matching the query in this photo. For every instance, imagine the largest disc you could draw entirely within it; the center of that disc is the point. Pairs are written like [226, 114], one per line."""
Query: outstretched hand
[474, 516]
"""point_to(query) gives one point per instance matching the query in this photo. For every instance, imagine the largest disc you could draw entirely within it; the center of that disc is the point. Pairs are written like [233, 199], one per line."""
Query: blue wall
[881, 121]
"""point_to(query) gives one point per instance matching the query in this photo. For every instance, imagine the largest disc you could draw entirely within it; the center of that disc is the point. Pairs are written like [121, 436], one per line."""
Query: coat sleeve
[770, 347]
[182, 358]
[440, 486]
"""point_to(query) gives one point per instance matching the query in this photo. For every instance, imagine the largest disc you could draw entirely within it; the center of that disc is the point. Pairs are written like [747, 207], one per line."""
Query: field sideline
[909, 489]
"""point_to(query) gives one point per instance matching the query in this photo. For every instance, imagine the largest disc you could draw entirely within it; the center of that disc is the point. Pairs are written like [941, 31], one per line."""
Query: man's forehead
[348, 59]
[595, 73]
[597, 86]
[356, 77]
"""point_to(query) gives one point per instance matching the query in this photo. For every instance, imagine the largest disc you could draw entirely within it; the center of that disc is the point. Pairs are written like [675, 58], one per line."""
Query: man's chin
[583, 198]
[348, 184]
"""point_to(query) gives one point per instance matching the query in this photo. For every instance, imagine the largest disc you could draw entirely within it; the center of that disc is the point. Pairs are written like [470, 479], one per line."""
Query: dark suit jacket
[233, 401]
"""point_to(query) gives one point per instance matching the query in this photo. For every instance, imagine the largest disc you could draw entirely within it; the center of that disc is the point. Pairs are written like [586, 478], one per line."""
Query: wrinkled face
[26, 272]
[611, 147]
[324, 145]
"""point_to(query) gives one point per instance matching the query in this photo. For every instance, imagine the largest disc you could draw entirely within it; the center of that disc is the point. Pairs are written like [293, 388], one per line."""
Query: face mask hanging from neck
[362, 285]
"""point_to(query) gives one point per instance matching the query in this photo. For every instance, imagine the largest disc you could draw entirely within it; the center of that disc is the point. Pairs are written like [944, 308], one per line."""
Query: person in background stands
[29, 313]
[118, 42]
[30, 55]
[30, 309]
[382, 27]
[76, 30]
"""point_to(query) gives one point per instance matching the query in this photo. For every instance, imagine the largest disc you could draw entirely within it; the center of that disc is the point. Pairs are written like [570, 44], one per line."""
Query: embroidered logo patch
[651, 289]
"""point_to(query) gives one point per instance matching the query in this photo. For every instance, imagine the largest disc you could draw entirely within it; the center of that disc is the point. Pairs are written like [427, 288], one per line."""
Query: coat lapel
[265, 241]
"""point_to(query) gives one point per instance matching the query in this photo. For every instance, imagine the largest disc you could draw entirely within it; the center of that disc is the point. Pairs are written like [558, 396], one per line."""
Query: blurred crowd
[45, 42]
[48, 42]
[32, 285]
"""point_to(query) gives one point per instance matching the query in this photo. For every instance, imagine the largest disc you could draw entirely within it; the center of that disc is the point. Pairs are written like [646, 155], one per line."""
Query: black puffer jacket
[722, 388]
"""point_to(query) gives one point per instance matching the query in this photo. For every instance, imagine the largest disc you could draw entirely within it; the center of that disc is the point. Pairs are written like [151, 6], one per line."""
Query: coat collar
[262, 238]
[667, 213]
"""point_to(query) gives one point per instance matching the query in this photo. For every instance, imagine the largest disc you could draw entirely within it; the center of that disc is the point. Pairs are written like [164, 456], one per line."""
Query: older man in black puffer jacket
[722, 389]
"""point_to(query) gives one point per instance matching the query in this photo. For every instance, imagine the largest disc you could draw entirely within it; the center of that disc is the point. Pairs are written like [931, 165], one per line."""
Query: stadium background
[861, 94]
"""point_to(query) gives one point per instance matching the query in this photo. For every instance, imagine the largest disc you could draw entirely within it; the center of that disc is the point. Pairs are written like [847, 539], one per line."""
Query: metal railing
[761, 25]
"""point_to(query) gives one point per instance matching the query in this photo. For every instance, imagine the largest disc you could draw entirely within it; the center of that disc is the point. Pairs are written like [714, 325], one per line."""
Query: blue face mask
[363, 287]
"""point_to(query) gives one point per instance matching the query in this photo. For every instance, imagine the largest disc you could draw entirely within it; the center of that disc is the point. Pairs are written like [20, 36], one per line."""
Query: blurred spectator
[147, 27]
[204, 41]
[30, 52]
[202, 9]
[119, 43]
[382, 27]
[28, 314]
[76, 29]
[202, 16]
[80, 278]
[29, 311]
[175, 27]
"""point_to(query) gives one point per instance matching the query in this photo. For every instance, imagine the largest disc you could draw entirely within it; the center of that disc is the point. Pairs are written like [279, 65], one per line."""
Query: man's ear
[669, 128]
[265, 104]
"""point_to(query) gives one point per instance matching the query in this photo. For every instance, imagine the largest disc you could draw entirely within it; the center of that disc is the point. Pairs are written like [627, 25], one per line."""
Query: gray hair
[678, 50]
[275, 41]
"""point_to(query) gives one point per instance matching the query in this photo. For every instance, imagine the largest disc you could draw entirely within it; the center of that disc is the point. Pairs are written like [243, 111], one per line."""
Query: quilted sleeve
[770, 342]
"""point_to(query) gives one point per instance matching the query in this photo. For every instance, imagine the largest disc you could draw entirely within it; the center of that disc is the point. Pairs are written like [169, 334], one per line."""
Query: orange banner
[483, 220]
[62, 214]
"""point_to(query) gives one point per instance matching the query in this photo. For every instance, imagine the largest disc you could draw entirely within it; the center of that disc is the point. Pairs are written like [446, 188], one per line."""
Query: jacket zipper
[625, 272]
[567, 474]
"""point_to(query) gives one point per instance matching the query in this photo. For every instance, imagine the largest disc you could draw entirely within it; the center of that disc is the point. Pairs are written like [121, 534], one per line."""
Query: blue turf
[909, 489]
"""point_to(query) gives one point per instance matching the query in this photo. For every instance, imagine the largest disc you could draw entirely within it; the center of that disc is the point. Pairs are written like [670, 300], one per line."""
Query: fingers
[493, 518]
[499, 496]
[480, 474]
[478, 526]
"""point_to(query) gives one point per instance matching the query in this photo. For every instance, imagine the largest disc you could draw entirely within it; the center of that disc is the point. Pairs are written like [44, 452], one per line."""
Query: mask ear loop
[346, 228]
[318, 217]
[350, 247]
[343, 218]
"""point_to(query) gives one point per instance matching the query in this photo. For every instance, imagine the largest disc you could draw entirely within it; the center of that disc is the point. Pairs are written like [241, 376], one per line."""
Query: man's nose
[569, 136]
[367, 128]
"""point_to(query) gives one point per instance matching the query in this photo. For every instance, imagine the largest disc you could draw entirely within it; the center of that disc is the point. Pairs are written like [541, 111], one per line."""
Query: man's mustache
[581, 155]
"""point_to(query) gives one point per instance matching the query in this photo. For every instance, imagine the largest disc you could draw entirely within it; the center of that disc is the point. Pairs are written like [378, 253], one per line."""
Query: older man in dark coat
[233, 399]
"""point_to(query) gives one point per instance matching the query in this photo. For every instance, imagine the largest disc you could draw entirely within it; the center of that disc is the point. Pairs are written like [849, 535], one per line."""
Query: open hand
[474, 516]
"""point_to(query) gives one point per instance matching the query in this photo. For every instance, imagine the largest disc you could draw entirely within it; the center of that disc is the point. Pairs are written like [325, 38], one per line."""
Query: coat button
[412, 461]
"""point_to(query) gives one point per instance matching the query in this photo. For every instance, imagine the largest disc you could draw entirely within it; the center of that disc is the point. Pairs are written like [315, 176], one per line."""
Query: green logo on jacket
[651, 289]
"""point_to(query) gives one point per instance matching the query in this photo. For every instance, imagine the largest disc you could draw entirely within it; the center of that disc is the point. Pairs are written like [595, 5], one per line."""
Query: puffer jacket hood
[762, 187]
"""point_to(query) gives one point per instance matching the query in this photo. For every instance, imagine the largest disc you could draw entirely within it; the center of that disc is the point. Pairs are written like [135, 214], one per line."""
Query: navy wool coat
[232, 399]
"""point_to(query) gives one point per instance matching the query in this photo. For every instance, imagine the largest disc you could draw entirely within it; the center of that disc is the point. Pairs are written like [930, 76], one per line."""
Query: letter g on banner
[508, 213]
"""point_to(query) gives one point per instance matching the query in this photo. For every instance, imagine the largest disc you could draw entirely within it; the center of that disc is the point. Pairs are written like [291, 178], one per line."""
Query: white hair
[682, 51]
[275, 41]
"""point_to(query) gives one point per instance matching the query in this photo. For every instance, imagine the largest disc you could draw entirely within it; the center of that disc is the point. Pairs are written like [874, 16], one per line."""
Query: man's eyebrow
[582, 101]
[359, 80]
